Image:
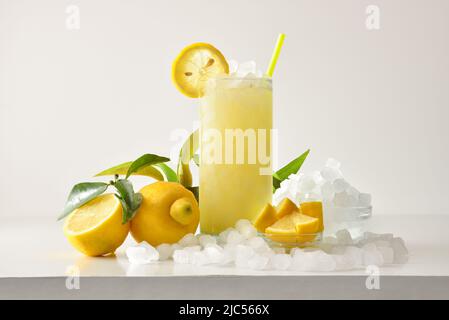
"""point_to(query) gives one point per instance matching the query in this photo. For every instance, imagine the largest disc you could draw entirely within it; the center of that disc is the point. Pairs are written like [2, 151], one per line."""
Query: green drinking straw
[275, 56]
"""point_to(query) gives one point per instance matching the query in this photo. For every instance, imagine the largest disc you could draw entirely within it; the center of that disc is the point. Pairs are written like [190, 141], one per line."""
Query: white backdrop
[74, 102]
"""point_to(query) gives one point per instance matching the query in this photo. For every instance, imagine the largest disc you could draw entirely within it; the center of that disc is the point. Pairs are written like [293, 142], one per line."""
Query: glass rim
[229, 77]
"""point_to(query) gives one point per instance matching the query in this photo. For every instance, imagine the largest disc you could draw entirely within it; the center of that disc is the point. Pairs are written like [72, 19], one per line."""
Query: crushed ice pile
[242, 247]
[327, 185]
[242, 75]
[244, 69]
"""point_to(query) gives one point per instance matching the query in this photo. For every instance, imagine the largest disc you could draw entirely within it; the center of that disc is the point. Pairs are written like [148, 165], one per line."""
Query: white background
[74, 102]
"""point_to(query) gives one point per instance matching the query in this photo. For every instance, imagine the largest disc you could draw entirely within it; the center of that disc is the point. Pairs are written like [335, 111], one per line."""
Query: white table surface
[35, 258]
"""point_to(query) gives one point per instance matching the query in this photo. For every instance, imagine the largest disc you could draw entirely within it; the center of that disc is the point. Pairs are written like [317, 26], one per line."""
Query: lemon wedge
[194, 65]
[266, 218]
[96, 228]
[313, 209]
[285, 207]
[293, 228]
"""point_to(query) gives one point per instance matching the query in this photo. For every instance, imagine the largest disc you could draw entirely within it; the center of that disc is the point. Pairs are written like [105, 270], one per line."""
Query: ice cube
[352, 200]
[258, 262]
[382, 243]
[189, 240]
[343, 199]
[206, 239]
[343, 262]
[317, 178]
[296, 251]
[281, 261]
[233, 66]
[330, 174]
[193, 248]
[294, 177]
[251, 75]
[310, 196]
[306, 184]
[285, 184]
[243, 254]
[282, 193]
[372, 237]
[364, 200]
[340, 185]
[198, 258]
[314, 261]
[400, 250]
[332, 163]
[143, 253]
[298, 261]
[372, 256]
[245, 68]
[181, 256]
[355, 255]
[326, 247]
[387, 254]
[229, 252]
[165, 251]
[214, 253]
[328, 244]
[354, 194]
[246, 228]
[242, 223]
[175, 246]
[344, 237]
[258, 244]
[234, 237]
[338, 249]
[330, 240]
[224, 235]
[327, 191]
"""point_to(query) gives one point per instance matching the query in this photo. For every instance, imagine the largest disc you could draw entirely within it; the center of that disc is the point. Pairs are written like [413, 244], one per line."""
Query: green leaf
[81, 194]
[125, 209]
[276, 182]
[129, 199]
[122, 169]
[291, 168]
[125, 190]
[169, 173]
[186, 154]
[145, 161]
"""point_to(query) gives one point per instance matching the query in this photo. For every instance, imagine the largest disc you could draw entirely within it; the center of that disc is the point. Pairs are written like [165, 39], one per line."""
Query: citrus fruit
[194, 65]
[167, 213]
[285, 207]
[96, 228]
[292, 228]
[266, 218]
[313, 209]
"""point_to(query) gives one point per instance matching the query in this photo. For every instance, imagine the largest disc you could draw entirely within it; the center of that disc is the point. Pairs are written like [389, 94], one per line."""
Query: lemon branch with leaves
[84, 192]
[154, 166]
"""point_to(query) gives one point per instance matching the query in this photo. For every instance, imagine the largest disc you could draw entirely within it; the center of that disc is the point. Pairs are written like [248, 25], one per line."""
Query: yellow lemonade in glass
[235, 159]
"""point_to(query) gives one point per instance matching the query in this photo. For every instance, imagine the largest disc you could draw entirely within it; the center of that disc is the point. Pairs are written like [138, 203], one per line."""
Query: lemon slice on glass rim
[194, 65]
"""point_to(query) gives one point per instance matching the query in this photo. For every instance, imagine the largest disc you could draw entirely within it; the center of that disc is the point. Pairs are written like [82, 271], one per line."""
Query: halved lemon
[96, 228]
[195, 65]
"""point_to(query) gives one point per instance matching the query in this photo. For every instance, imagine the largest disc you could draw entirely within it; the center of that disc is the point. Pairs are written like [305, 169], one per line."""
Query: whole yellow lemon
[167, 213]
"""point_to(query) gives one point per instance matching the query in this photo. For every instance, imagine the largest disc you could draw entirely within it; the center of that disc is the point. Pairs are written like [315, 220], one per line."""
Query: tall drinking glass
[235, 159]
